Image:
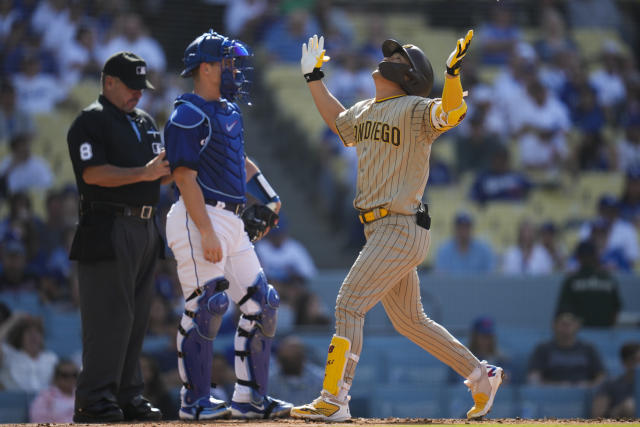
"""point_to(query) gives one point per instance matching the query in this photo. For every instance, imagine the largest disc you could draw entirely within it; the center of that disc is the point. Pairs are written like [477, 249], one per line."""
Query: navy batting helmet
[414, 79]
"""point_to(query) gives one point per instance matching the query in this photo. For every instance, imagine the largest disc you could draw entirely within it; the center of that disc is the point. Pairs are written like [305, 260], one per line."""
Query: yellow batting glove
[455, 59]
[312, 58]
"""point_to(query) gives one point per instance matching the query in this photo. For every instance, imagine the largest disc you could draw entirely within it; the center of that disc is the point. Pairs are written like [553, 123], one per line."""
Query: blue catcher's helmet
[214, 47]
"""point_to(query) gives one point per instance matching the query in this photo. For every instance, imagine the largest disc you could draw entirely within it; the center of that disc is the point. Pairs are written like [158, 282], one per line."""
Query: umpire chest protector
[208, 137]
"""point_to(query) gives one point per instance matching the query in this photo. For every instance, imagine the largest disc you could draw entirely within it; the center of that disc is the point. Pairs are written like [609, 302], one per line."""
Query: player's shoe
[267, 408]
[206, 408]
[484, 390]
[323, 409]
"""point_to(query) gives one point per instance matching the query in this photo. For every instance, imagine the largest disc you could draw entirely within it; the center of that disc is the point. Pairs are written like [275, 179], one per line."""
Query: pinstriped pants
[385, 270]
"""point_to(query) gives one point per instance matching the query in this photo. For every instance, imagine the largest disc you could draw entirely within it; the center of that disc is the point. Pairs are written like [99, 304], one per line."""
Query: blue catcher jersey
[208, 138]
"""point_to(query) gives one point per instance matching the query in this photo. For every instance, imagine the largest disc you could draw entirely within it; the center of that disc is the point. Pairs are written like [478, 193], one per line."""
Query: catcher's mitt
[258, 219]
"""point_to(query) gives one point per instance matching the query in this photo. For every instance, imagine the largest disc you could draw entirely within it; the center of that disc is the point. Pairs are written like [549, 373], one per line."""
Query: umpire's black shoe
[140, 409]
[103, 412]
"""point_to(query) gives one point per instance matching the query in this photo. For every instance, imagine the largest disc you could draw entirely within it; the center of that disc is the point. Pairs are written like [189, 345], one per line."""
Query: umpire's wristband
[316, 74]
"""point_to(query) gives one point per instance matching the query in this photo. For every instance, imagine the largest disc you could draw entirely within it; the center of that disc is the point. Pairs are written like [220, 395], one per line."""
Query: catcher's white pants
[239, 264]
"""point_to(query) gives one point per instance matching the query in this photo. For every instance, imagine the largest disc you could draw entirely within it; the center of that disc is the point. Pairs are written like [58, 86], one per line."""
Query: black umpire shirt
[104, 134]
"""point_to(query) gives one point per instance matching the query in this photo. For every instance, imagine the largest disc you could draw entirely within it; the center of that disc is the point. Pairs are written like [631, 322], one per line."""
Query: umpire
[118, 161]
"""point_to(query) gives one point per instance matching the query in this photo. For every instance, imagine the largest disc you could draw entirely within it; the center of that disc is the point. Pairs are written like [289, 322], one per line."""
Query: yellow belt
[372, 215]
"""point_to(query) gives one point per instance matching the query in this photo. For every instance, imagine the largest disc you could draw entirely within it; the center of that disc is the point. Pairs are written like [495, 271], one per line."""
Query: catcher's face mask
[236, 68]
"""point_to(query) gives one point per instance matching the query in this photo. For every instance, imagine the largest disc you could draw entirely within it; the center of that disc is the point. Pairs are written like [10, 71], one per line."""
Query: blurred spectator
[528, 256]
[498, 36]
[509, 86]
[78, 58]
[499, 182]
[335, 23]
[48, 13]
[37, 92]
[616, 398]
[8, 14]
[27, 366]
[285, 36]
[59, 33]
[155, 389]
[350, 79]
[565, 360]
[23, 224]
[629, 203]
[587, 115]
[483, 343]
[282, 257]
[615, 239]
[60, 275]
[131, 35]
[310, 311]
[577, 93]
[464, 253]
[593, 13]
[13, 120]
[242, 15]
[608, 80]
[475, 151]
[439, 171]
[592, 153]
[629, 145]
[14, 276]
[162, 321]
[55, 403]
[293, 378]
[591, 293]
[21, 171]
[553, 36]
[550, 241]
[28, 45]
[540, 124]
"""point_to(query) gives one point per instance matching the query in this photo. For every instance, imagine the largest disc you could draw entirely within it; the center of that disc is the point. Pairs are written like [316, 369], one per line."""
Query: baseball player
[215, 258]
[392, 134]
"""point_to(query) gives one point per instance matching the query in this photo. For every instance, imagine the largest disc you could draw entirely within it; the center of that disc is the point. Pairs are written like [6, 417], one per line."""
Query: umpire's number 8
[85, 151]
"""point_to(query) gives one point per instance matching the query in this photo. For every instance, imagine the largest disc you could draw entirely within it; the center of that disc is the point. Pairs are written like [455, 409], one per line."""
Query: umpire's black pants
[115, 301]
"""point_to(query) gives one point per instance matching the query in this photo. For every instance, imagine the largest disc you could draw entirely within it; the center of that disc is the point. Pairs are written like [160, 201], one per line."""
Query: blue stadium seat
[63, 331]
[14, 406]
[557, 402]
[28, 302]
[401, 400]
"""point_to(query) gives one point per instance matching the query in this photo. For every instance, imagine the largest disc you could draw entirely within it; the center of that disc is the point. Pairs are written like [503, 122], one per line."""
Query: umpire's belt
[236, 208]
[372, 215]
[142, 212]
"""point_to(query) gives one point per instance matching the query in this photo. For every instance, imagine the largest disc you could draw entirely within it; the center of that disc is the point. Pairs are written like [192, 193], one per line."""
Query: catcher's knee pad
[256, 329]
[337, 356]
[199, 326]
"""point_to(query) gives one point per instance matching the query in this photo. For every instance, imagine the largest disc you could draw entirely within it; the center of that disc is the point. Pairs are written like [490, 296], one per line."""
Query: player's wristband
[259, 187]
[316, 74]
[455, 70]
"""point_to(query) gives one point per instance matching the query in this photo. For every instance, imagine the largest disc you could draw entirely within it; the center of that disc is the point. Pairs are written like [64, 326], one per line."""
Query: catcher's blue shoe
[206, 408]
[266, 408]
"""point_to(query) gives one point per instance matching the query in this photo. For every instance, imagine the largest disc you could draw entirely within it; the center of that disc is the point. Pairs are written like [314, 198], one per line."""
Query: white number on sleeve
[85, 151]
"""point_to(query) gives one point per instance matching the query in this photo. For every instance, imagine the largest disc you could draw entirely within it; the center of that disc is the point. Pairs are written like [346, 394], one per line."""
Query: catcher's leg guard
[199, 326]
[256, 329]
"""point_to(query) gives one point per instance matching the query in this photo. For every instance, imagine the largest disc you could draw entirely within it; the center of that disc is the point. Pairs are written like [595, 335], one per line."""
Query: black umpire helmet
[415, 79]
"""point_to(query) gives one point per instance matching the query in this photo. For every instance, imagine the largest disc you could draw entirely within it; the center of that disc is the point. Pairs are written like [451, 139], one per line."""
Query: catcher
[392, 134]
[215, 258]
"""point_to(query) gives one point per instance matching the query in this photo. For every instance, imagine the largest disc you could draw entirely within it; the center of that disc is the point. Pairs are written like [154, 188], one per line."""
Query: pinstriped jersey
[393, 139]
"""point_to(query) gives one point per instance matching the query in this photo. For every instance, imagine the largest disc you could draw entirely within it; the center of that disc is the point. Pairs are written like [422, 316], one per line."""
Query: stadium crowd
[548, 111]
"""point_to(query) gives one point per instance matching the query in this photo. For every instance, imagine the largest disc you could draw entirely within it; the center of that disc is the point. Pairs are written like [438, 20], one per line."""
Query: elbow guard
[444, 121]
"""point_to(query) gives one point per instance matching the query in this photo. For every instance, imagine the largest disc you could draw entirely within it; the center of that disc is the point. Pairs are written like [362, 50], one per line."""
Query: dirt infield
[396, 422]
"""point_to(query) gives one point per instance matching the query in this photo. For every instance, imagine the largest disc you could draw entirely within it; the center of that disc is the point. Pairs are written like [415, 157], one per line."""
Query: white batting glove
[312, 58]
[455, 59]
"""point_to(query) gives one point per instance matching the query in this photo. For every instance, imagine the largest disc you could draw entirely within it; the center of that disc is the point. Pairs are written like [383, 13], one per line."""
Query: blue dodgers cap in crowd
[463, 218]
[210, 47]
[608, 201]
[484, 325]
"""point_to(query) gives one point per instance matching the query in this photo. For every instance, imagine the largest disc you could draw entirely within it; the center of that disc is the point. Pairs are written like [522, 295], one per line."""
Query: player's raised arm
[312, 59]
[450, 111]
